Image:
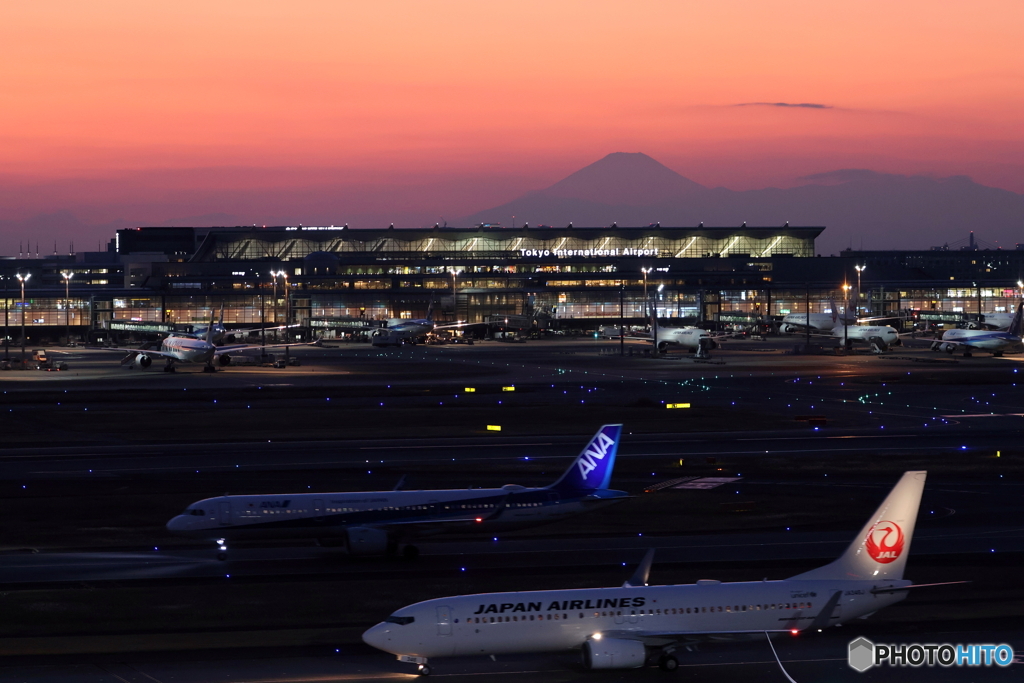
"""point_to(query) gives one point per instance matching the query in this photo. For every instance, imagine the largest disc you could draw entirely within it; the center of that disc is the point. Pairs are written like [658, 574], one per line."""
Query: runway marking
[479, 445]
[986, 415]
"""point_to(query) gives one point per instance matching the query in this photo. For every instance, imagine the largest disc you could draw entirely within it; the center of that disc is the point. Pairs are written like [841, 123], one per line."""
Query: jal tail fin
[1017, 323]
[881, 548]
[222, 314]
[592, 469]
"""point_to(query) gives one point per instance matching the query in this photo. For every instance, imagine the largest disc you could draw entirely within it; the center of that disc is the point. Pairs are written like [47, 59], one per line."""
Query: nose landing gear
[222, 549]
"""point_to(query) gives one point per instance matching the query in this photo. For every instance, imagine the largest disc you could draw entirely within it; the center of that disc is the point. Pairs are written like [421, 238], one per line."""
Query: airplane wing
[238, 347]
[252, 330]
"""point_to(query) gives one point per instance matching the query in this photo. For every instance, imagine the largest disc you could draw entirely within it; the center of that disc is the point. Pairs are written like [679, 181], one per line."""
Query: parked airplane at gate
[695, 339]
[376, 523]
[184, 350]
[821, 322]
[627, 627]
[994, 320]
[997, 343]
[399, 331]
[880, 336]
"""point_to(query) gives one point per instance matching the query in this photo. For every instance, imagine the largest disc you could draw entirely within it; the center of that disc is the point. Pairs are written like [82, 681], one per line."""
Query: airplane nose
[178, 524]
[378, 637]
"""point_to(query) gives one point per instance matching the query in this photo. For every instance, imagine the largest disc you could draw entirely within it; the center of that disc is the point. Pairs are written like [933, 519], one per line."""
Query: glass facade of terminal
[578, 278]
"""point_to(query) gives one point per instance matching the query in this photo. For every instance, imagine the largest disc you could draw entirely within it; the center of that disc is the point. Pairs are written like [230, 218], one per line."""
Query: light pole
[455, 296]
[645, 271]
[23, 279]
[7, 335]
[287, 303]
[846, 308]
[275, 274]
[67, 275]
[859, 269]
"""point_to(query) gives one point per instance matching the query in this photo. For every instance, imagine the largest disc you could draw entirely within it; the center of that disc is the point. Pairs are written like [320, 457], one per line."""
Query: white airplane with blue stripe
[381, 522]
[995, 342]
[637, 624]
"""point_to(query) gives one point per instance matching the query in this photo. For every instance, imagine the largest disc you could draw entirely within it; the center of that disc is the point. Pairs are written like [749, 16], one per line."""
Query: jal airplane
[994, 320]
[996, 343]
[821, 322]
[636, 624]
[882, 337]
[378, 522]
[695, 339]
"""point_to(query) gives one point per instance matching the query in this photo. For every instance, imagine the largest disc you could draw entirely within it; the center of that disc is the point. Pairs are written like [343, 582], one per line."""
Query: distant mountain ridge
[857, 206]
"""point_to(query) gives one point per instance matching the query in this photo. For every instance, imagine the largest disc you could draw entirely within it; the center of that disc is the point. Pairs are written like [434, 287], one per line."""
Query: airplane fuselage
[188, 350]
[687, 337]
[399, 330]
[799, 322]
[985, 340]
[325, 515]
[545, 621]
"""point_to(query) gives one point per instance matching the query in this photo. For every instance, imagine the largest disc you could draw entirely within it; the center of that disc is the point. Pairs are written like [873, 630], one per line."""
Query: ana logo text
[597, 450]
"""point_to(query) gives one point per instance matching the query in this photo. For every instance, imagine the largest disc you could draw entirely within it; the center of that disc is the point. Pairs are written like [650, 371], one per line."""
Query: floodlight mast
[23, 279]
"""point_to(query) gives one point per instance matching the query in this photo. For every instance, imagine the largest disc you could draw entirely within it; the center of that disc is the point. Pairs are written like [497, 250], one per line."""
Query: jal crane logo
[884, 542]
[598, 450]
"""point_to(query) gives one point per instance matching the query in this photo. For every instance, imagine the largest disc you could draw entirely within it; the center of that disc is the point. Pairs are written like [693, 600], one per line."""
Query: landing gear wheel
[668, 663]
[222, 556]
[209, 368]
[410, 552]
[424, 670]
[169, 368]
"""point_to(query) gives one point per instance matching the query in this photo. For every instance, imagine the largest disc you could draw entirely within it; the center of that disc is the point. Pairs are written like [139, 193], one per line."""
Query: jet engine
[613, 653]
[145, 361]
[363, 540]
[224, 359]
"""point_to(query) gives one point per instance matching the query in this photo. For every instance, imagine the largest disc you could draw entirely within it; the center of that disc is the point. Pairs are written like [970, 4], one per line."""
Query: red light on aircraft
[794, 631]
[479, 519]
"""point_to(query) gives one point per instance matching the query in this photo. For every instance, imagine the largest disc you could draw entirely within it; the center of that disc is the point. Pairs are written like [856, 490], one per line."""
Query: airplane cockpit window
[401, 621]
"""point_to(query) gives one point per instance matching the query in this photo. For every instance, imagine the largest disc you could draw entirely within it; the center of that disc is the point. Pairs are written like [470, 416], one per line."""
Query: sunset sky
[331, 111]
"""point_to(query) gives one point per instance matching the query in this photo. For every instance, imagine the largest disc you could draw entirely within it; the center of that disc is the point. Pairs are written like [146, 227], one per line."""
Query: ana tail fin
[209, 330]
[430, 312]
[592, 469]
[881, 548]
[1017, 324]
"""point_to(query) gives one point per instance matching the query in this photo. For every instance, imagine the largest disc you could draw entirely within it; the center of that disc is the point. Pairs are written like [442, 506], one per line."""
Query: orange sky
[482, 100]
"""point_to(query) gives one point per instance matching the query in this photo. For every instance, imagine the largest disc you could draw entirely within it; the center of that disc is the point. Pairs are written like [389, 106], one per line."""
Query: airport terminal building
[326, 279]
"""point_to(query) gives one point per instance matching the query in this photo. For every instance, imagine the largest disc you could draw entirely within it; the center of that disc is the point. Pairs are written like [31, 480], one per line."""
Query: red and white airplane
[630, 626]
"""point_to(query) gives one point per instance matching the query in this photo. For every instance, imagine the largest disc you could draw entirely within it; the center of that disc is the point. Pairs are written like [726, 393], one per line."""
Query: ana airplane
[997, 343]
[400, 331]
[177, 349]
[376, 523]
[627, 627]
